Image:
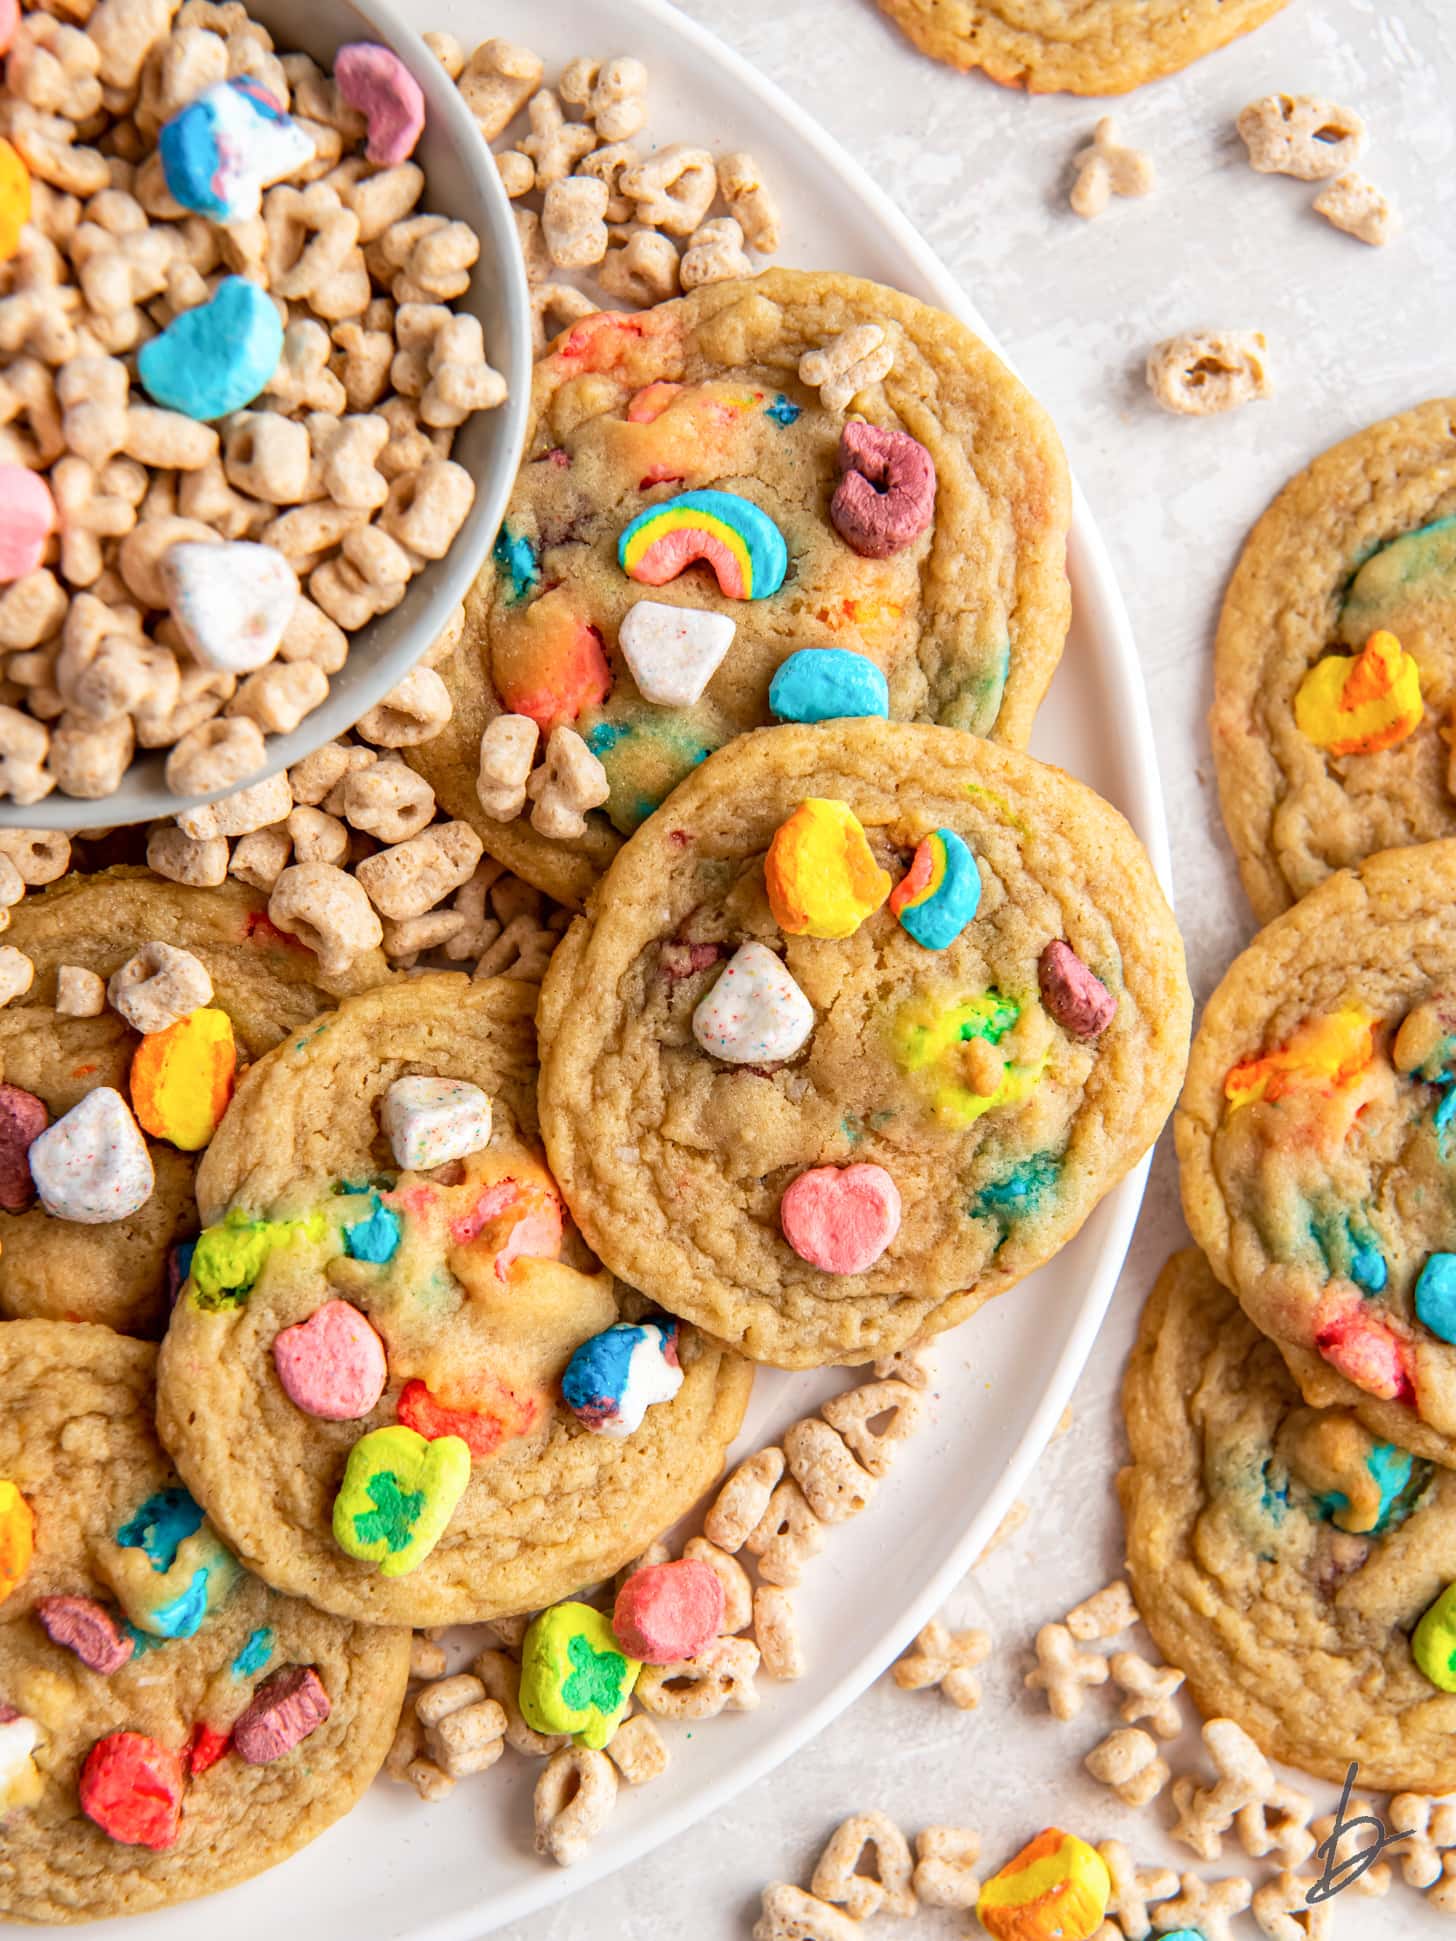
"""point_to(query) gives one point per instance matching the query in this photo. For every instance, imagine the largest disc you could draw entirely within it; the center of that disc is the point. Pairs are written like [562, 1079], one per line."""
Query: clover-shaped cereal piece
[1063, 1671]
[1150, 1691]
[644, 271]
[1127, 1762]
[714, 253]
[570, 781]
[945, 1659]
[1133, 1888]
[1208, 1907]
[1106, 168]
[1429, 1830]
[944, 1857]
[611, 94]
[328, 911]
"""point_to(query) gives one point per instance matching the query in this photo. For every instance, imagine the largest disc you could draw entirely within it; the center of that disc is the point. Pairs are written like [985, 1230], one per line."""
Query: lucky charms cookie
[1075, 46]
[147, 998]
[1284, 1556]
[856, 1034]
[1315, 1140]
[724, 487]
[394, 1376]
[168, 1725]
[1335, 668]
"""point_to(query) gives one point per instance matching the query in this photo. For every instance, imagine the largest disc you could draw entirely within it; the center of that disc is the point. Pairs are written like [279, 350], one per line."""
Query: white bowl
[460, 181]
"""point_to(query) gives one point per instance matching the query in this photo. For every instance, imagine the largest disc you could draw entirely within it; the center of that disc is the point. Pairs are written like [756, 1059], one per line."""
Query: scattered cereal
[1358, 207]
[837, 1877]
[1204, 371]
[1106, 168]
[1064, 1672]
[1300, 135]
[945, 1659]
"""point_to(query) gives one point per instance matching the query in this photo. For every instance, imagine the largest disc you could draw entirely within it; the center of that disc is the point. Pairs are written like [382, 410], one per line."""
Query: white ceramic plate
[397, 1871]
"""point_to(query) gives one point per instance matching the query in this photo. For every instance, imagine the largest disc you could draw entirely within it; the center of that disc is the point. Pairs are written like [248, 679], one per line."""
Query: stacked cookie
[864, 1012]
[1290, 1525]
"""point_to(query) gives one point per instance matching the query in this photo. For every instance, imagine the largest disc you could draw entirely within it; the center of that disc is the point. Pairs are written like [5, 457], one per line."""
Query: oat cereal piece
[1127, 1762]
[786, 1536]
[410, 713]
[834, 1485]
[1429, 1829]
[496, 82]
[573, 222]
[500, 1675]
[412, 877]
[1282, 1910]
[945, 1659]
[789, 1914]
[855, 1412]
[742, 1502]
[1063, 1671]
[507, 749]
[554, 144]
[673, 189]
[202, 863]
[944, 1859]
[1150, 1691]
[714, 253]
[278, 697]
[848, 364]
[645, 270]
[776, 1633]
[1196, 1825]
[159, 986]
[1374, 1882]
[17, 973]
[837, 1877]
[388, 800]
[1133, 1888]
[1106, 1615]
[1278, 1823]
[750, 203]
[317, 836]
[39, 856]
[1204, 372]
[517, 172]
[447, 51]
[1300, 135]
[429, 1781]
[215, 755]
[80, 993]
[611, 94]
[239, 814]
[464, 1731]
[569, 782]
[328, 911]
[1106, 168]
[607, 165]
[638, 1750]
[720, 1677]
[911, 1365]
[573, 1801]
[427, 1659]
[561, 305]
[1358, 207]
[1208, 1907]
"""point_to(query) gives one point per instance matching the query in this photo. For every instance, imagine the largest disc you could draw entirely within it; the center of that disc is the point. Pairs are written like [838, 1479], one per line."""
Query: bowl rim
[142, 795]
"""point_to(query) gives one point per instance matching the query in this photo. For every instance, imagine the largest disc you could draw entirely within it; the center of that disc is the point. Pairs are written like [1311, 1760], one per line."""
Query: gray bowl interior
[461, 182]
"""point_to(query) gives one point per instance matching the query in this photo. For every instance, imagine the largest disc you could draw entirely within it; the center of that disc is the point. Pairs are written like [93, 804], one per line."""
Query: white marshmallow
[232, 601]
[673, 652]
[755, 1014]
[430, 1121]
[92, 1165]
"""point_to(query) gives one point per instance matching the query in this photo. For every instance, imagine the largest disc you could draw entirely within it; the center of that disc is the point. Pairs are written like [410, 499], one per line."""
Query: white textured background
[1355, 334]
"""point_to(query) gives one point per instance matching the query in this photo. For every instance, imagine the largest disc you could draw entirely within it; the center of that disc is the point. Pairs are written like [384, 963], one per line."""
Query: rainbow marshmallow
[941, 891]
[743, 546]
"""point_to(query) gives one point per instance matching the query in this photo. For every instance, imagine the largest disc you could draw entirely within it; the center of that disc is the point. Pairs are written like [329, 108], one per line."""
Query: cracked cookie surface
[267, 983]
[1280, 1555]
[76, 1438]
[1362, 540]
[967, 623]
[1000, 1128]
[482, 1322]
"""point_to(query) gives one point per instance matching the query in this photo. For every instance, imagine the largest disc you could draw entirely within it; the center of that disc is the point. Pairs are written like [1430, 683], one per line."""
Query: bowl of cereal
[266, 371]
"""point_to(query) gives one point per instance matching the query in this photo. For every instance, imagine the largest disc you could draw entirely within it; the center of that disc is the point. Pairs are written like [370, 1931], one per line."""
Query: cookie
[964, 621]
[267, 983]
[1314, 1140]
[982, 1089]
[1075, 46]
[144, 1678]
[1281, 1555]
[1329, 748]
[363, 1376]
